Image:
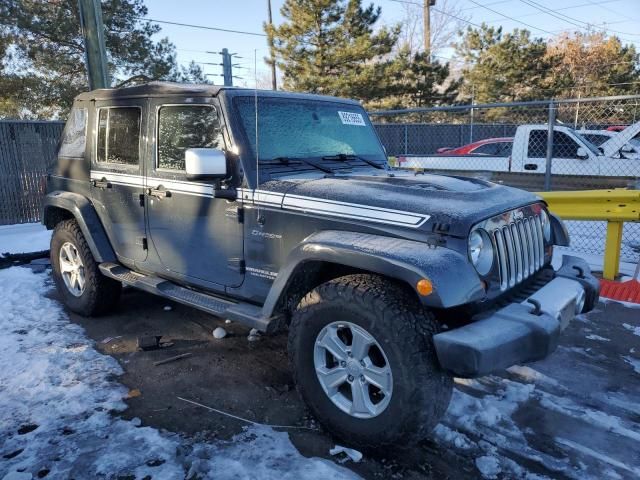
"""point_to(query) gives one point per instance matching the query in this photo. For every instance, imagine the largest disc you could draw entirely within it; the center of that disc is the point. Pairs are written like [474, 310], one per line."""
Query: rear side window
[74, 136]
[537, 144]
[185, 126]
[119, 136]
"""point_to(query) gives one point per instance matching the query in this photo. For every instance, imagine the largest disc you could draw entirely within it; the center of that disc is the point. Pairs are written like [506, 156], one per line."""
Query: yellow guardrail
[612, 206]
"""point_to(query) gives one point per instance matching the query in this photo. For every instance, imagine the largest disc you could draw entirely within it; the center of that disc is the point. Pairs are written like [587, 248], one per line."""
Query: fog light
[424, 287]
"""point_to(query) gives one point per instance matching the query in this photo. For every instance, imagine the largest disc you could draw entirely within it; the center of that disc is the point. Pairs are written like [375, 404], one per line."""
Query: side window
[487, 149]
[185, 126]
[504, 149]
[537, 147]
[564, 146]
[74, 137]
[118, 135]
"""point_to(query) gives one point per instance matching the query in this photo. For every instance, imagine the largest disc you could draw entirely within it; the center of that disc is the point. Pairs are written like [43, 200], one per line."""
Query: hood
[619, 140]
[459, 202]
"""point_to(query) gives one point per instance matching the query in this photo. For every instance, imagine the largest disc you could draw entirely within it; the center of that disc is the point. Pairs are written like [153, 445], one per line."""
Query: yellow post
[612, 250]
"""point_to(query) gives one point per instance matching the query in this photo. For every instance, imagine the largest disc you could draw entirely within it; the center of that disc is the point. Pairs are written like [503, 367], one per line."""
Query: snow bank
[24, 238]
[58, 395]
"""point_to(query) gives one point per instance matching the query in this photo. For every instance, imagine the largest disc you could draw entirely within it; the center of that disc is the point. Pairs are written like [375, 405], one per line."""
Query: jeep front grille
[520, 250]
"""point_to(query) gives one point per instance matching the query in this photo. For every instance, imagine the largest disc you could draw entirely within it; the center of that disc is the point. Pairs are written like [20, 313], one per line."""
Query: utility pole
[426, 19]
[274, 83]
[227, 70]
[94, 46]
[227, 66]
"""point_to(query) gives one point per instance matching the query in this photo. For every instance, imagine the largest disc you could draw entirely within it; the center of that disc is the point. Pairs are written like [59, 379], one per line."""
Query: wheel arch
[331, 254]
[58, 206]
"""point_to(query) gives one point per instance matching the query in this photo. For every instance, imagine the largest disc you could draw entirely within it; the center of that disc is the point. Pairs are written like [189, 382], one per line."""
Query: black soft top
[161, 89]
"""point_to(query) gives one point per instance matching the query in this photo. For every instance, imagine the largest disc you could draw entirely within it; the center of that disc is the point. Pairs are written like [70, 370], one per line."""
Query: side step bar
[245, 313]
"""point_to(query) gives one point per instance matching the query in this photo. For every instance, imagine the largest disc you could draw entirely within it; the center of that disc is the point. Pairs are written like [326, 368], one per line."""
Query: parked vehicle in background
[277, 210]
[572, 154]
[599, 138]
[493, 147]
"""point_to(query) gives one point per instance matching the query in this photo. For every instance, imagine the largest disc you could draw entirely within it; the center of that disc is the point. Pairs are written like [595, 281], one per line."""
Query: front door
[196, 236]
[565, 160]
[117, 175]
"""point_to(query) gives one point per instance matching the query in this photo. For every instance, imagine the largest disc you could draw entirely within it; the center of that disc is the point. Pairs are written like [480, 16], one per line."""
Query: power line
[571, 20]
[510, 18]
[202, 27]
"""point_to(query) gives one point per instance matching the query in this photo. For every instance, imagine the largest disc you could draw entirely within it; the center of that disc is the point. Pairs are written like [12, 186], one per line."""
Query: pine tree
[415, 80]
[330, 47]
[42, 53]
[505, 67]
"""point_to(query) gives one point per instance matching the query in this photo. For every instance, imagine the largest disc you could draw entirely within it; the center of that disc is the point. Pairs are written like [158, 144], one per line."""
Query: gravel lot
[574, 415]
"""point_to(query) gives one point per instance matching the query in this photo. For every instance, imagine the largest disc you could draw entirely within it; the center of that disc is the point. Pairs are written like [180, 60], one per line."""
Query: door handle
[102, 184]
[530, 166]
[159, 192]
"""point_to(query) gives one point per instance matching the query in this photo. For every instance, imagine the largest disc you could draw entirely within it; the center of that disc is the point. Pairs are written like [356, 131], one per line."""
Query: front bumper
[520, 332]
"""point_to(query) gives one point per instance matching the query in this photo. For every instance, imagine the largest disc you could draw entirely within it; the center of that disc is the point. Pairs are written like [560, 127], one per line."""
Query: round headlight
[481, 251]
[546, 225]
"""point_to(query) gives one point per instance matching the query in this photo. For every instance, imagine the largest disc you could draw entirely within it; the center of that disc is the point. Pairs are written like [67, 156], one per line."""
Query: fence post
[547, 171]
[406, 139]
[612, 248]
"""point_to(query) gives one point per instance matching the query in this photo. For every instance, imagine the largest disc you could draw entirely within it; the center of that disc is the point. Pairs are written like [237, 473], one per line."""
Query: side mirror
[582, 153]
[205, 163]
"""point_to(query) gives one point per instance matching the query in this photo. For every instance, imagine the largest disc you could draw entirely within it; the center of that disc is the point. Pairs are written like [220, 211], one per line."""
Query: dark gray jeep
[278, 210]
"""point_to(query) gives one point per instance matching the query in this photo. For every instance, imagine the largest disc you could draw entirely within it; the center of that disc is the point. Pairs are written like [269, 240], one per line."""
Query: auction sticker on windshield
[350, 118]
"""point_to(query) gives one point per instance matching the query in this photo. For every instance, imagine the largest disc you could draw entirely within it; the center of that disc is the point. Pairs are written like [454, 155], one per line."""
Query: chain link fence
[574, 144]
[27, 149]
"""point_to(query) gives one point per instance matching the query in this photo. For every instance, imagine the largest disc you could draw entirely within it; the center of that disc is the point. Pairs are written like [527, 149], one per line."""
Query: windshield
[294, 128]
[587, 143]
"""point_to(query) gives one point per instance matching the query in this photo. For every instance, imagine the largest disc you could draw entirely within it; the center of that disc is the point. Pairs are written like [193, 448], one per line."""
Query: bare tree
[444, 26]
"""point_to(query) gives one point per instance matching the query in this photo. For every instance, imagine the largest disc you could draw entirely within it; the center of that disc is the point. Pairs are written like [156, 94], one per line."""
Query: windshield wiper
[288, 160]
[350, 156]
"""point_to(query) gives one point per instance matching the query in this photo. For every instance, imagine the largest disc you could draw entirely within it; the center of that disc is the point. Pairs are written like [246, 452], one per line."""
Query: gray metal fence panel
[27, 151]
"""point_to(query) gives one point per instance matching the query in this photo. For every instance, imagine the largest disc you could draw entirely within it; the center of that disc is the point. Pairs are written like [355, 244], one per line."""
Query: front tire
[363, 360]
[78, 279]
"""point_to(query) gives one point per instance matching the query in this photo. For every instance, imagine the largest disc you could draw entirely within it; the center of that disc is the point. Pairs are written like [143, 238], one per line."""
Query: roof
[152, 89]
[161, 89]
[493, 140]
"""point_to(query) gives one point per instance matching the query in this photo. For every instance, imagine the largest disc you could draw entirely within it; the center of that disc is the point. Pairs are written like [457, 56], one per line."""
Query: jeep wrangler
[279, 211]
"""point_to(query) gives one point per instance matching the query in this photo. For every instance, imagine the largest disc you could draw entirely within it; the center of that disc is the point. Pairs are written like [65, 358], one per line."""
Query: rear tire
[81, 285]
[399, 327]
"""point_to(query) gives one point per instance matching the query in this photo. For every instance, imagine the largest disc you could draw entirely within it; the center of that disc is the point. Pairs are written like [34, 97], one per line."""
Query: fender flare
[86, 216]
[454, 279]
[559, 231]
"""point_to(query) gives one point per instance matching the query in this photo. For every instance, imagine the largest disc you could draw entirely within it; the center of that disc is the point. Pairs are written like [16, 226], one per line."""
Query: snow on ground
[573, 415]
[24, 238]
[58, 395]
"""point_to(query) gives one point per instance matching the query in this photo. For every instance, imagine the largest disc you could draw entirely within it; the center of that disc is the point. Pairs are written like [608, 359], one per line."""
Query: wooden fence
[27, 151]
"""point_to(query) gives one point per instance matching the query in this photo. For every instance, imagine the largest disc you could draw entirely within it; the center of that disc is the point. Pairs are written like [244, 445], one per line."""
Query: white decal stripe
[330, 203]
[356, 212]
[274, 199]
[120, 178]
[178, 186]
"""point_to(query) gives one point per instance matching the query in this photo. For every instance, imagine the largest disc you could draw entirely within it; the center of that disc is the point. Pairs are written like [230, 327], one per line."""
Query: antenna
[255, 90]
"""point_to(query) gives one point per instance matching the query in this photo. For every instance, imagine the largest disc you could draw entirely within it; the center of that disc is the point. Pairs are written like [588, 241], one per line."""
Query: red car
[493, 147]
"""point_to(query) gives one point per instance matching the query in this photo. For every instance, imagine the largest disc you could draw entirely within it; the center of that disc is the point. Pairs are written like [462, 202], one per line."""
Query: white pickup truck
[572, 155]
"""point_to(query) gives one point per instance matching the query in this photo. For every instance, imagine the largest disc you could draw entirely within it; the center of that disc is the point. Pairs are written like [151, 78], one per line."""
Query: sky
[544, 18]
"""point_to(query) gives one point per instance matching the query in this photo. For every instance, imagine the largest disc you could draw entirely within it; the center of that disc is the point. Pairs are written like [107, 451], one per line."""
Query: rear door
[117, 175]
[196, 236]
